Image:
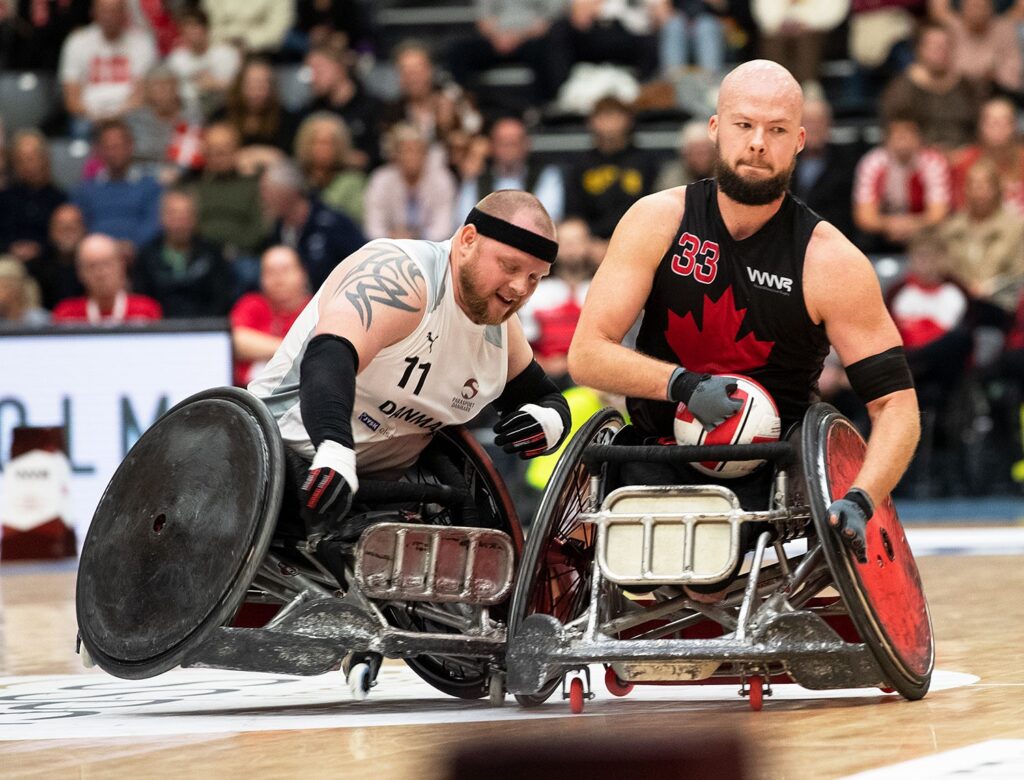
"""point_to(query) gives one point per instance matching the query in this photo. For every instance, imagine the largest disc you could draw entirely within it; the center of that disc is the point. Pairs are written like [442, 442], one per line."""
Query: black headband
[519, 238]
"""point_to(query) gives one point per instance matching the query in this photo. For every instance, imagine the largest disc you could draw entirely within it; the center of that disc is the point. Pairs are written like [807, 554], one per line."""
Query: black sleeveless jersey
[722, 306]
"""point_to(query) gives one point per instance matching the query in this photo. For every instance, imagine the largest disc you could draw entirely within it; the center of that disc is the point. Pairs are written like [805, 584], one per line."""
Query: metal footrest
[410, 562]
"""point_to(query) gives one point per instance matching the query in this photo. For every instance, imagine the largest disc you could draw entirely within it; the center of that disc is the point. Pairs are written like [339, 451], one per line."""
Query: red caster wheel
[886, 689]
[614, 685]
[576, 696]
[756, 685]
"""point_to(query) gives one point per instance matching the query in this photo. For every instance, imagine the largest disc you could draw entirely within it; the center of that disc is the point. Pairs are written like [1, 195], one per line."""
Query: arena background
[591, 104]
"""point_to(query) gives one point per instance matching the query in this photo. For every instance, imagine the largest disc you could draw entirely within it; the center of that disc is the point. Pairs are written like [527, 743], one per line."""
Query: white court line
[206, 701]
[996, 759]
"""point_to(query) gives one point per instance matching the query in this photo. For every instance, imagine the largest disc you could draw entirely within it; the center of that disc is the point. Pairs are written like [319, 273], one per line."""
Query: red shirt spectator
[103, 272]
[127, 307]
[259, 321]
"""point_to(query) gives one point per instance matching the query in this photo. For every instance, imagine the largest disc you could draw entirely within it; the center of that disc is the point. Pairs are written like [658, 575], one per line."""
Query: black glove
[329, 488]
[705, 395]
[849, 515]
[530, 430]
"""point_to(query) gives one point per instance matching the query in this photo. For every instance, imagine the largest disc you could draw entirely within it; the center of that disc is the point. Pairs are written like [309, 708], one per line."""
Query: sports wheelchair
[611, 574]
[189, 561]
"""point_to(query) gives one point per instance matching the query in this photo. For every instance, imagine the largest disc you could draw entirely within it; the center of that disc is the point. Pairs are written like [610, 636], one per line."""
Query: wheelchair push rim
[884, 596]
[179, 533]
[555, 573]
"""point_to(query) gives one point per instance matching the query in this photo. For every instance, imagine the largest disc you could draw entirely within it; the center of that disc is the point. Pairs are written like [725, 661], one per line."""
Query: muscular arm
[616, 297]
[842, 292]
[374, 298]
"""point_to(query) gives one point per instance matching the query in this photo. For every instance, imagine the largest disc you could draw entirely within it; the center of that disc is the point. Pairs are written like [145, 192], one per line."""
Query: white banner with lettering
[105, 389]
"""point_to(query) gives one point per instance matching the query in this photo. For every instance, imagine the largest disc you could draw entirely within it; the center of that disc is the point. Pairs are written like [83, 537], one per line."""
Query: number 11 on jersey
[413, 365]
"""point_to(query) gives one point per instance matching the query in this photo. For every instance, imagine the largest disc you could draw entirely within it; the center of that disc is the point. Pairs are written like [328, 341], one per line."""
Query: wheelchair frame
[773, 623]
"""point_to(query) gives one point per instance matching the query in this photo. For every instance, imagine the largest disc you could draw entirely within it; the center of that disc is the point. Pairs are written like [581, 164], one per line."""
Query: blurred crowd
[233, 151]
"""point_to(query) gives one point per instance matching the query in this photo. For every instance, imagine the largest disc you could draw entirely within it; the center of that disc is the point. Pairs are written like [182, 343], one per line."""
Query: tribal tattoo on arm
[383, 278]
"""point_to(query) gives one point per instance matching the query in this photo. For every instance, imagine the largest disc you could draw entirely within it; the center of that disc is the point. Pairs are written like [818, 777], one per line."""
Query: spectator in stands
[899, 188]
[549, 318]
[103, 271]
[205, 69]
[690, 26]
[28, 202]
[512, 169]
[696, 158]
[609, 178]
[186, 274]
[32, 32]
[508, 31]
[931, 91]
[793, 32]
[55, 268]
[323, 151]
[167, 135]
[339, 23]
[19, 296]
[409, 197]
[254, 108]
[260, 320]
[602, 31]
[337, 90]
[998, 142]
[986, 50]
[122, 201]
[102, 65]
[229, 203]
[985, 241]
[823, 177]
[322, 236]
[930, 309]
[254, 26]
[422, 103]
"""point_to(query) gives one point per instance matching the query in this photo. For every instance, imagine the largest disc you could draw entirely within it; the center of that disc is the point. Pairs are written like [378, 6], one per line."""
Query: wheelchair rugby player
[339, 497]
[638, 556]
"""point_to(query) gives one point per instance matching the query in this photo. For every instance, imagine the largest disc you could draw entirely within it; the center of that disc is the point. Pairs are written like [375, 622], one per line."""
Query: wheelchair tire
[559, 551]
[466, 678]
[884, 596]
[179, 533]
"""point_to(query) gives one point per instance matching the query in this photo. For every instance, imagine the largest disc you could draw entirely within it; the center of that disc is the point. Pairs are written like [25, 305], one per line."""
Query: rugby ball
[756, 421]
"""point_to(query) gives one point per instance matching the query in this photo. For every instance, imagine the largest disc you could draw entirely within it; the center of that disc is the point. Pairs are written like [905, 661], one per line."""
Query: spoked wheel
[554, 577]
[883, 596]
[490, 507]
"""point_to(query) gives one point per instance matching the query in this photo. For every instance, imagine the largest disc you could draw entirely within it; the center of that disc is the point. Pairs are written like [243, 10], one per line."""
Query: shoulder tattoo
[382, 278]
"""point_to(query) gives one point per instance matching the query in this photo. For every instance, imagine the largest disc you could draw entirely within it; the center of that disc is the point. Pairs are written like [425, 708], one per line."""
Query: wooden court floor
[978, 613]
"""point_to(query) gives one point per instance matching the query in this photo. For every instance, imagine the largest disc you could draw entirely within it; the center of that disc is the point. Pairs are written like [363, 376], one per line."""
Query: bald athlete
[406, 337]
[735, 275]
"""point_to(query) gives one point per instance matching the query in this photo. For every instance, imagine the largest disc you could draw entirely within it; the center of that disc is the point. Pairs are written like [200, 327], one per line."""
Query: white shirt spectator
[258, 25]
[106, 70]
[220, 60]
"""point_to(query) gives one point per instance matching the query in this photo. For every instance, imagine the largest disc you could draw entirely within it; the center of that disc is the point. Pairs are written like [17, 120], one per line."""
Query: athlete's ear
[801, 139]
[466, 236]
[713, 128]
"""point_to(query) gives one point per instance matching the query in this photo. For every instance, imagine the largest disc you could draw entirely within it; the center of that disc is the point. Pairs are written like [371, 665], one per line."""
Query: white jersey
[442, 374]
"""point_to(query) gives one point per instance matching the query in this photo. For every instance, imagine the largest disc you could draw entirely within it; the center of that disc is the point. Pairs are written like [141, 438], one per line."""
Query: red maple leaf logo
[714, 349]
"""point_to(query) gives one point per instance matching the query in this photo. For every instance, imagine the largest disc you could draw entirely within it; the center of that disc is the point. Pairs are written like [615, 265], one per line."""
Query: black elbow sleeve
[327, 389]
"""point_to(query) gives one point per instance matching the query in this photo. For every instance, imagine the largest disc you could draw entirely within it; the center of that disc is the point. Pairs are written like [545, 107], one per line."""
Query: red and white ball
[757, 421]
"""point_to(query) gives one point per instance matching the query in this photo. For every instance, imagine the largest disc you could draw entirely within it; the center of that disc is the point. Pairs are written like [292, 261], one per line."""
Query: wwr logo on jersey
[770, 282]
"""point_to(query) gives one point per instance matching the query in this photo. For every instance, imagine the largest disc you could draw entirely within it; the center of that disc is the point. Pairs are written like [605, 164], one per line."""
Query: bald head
[761, 79]
[520, 208]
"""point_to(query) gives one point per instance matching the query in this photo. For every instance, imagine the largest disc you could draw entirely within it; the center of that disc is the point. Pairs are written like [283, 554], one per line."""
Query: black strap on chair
[593, 456]
[383, 492]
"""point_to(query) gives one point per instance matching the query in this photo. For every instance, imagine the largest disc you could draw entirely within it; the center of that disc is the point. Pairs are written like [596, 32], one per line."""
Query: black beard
[759, 192]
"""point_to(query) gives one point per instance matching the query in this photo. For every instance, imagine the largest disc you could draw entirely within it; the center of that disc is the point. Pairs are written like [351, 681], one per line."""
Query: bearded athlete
[406, 337]
[735, 275]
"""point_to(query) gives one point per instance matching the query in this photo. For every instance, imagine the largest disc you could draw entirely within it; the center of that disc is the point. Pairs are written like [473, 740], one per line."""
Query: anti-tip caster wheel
[359, 681]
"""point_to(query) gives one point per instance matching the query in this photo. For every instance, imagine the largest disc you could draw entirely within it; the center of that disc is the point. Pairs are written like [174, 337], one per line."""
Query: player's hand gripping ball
[756, 421]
